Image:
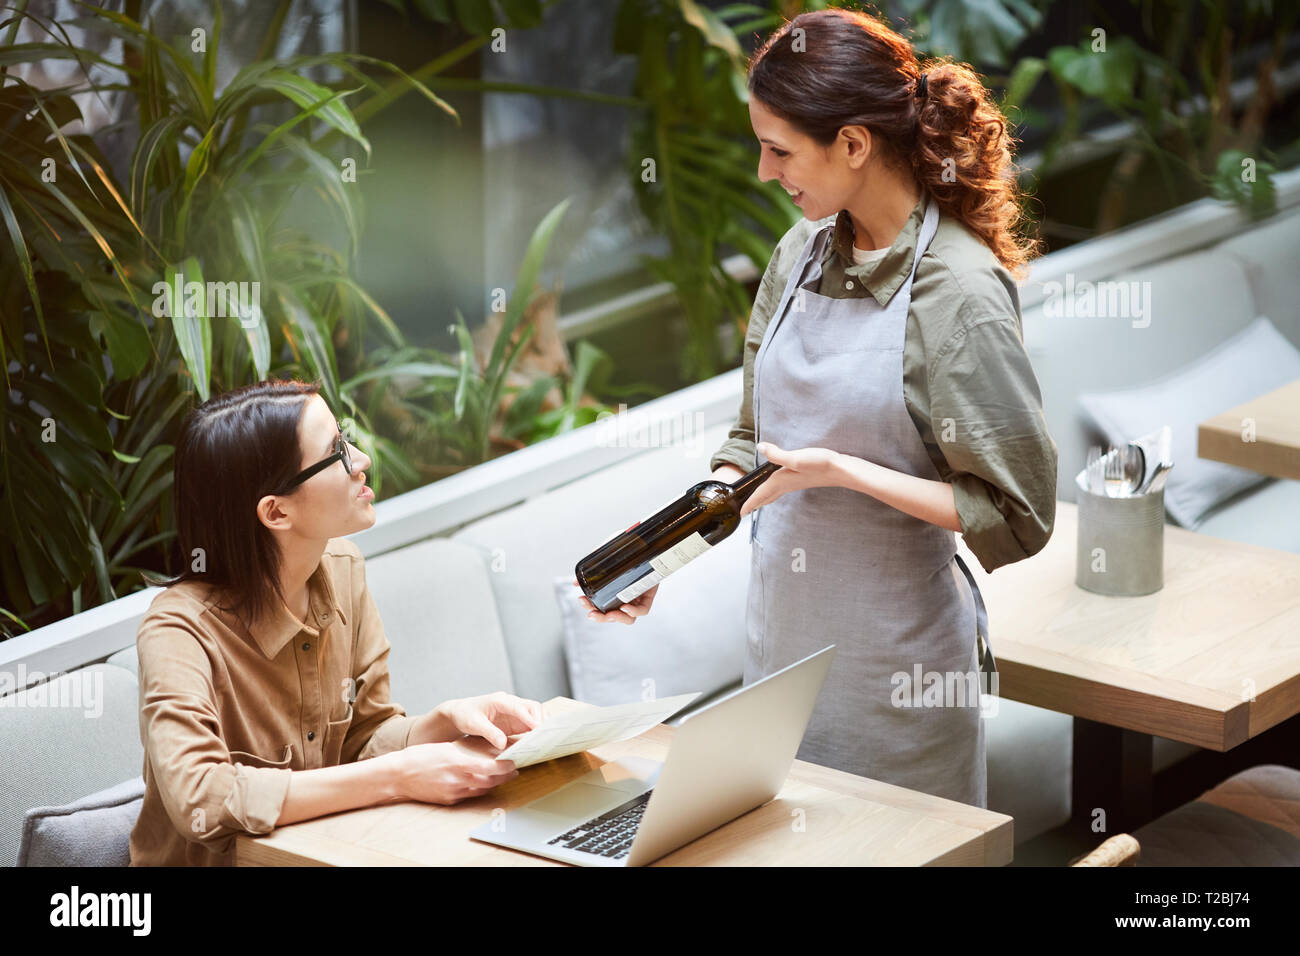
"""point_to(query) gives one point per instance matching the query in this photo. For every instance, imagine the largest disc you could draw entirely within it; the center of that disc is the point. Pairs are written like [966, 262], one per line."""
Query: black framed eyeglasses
[341, 453]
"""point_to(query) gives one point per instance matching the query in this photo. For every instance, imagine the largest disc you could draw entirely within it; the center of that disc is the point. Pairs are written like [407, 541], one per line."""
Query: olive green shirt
[967, 381]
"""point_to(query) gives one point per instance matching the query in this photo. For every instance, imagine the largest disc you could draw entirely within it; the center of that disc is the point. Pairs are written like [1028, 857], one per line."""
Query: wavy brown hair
[849, 68]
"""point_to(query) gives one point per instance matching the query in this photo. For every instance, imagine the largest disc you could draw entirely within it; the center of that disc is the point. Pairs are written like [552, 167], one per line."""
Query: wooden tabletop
[821, 817]
[1275, 449]
[1181, 663]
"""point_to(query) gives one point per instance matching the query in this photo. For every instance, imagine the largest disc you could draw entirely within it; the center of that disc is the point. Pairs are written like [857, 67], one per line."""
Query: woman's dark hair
[848, 68]
[233, 450]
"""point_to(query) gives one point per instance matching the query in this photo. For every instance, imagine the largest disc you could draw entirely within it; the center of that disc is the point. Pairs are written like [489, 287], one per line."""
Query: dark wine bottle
[631, 563]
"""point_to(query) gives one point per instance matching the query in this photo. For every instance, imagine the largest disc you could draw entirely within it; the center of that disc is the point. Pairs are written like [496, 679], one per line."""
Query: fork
[1119, 476]
[1093, 472]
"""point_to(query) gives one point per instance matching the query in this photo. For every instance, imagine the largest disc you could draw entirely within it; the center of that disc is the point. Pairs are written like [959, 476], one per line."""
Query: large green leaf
[308, 94]
[325, 176]
[1247, 181]
[197, 164]
[82, 471]
[102, 175]
[161, 137]
[38, 52]
[526, 278]
[101, 567]
[25, 262]
[713, 29]
[319, 355]
[96, 234]
[273, 137]
[977, 31]
[1024, 77]
[1108, 74]
[76, 413]
[123, 328]
[414, 369]
[190, 321]
[148, 479]
[468, 366]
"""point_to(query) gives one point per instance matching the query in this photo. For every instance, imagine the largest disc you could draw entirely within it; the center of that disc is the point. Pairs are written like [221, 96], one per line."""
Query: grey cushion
[92, 831]
[1253, 517]
[440, 617]
[55, 754]
[693, 639]
[526, 547]
[1245, 366]
[126, 658]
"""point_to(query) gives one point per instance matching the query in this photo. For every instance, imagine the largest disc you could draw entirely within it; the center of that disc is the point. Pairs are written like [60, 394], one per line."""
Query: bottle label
[675, 558]
[634, 591]
[680, 554]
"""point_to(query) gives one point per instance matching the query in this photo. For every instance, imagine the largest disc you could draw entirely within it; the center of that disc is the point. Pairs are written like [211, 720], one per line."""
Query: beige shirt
[967, 382]
[226, 715]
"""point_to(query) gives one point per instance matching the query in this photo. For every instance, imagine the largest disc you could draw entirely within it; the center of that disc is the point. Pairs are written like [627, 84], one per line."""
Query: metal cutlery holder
[1121, 544]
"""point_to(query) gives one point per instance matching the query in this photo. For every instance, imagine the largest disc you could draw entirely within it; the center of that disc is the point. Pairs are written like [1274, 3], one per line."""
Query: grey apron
[832, 565]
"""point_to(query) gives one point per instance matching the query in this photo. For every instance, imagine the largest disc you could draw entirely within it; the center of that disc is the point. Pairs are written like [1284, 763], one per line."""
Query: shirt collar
[882, 278]
[283, 627]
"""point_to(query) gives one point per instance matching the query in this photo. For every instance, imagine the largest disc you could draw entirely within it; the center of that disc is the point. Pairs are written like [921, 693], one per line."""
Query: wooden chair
[1119, 850]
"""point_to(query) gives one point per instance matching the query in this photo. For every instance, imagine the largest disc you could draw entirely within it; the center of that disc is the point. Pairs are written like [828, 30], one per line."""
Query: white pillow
[1252, 363]
[693, 639]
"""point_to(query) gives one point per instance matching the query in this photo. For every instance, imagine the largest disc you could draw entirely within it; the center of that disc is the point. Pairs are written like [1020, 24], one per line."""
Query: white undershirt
[873, 256]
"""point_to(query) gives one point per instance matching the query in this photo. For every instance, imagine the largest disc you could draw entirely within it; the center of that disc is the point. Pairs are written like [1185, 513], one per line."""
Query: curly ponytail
[963, 156]
[832, 68]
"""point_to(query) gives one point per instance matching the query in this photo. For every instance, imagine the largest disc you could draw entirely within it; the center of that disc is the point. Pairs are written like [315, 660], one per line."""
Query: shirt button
[306, 645]
[311, 735]
[848, 284]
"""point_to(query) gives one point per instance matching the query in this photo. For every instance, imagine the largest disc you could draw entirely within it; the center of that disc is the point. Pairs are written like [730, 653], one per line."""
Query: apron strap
[988, 664]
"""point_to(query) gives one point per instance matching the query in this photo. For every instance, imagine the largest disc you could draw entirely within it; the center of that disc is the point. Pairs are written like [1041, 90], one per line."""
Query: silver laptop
[725, 759]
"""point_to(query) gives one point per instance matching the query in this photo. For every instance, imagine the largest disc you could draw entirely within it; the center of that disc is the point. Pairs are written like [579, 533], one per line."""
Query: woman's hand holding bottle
[640, 606]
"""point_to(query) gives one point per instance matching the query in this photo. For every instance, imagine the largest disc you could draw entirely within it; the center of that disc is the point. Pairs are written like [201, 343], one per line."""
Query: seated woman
[264, 666]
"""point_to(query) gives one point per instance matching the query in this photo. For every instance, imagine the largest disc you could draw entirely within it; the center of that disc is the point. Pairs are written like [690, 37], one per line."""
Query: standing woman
[885, 371]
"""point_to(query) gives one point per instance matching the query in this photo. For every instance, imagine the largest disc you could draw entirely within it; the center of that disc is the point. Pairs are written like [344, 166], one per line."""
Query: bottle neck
[744, 486]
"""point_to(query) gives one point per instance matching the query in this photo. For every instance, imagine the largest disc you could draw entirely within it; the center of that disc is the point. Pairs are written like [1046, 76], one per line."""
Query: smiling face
[821, 180]
[331, 503]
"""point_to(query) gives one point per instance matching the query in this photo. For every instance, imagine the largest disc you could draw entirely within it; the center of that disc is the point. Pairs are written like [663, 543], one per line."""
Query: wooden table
[821, 817]
[1276, 448]
[1211, 659]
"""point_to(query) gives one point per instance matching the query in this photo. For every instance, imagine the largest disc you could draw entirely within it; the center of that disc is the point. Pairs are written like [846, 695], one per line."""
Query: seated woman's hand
[450, 772]
[494, 717]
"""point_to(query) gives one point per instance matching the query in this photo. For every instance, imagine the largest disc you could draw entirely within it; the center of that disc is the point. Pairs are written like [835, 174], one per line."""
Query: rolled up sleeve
[987, 416]
[208, 796]
[378, 726]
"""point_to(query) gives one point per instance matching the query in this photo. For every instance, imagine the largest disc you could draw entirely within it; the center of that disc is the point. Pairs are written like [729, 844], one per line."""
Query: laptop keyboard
[609, 834]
